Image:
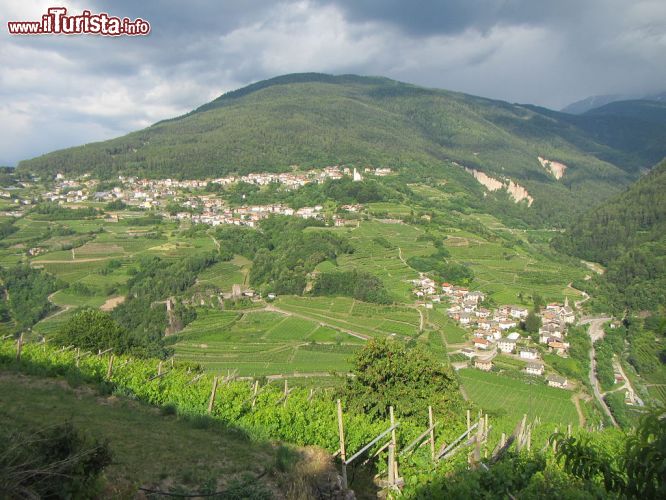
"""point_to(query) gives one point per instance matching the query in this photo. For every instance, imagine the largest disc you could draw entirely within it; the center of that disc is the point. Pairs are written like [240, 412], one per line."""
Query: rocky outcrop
[554, 167]
[516, 191]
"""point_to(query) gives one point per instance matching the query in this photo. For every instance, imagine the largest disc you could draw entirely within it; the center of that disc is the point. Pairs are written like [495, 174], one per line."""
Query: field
[264, 343]
[512, 398]
[360, 318]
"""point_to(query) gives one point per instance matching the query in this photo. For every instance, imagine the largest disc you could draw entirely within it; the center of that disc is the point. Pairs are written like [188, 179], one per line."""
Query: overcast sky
[60, 91]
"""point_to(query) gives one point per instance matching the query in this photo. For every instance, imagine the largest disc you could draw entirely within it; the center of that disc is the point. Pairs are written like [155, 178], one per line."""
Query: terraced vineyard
[363, 319]
[264, 343]
[512, 398]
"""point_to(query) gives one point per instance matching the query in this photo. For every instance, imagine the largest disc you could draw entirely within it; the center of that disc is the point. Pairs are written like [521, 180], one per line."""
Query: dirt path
[217, 243]
[596, 332]
[593, 266]
[585, 295]
[401, 257]
[112, 302]
[576, 401]
[627, 383]
[63, 261]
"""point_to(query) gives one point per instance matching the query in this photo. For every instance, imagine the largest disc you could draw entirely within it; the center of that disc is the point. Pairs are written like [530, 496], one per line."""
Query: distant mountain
[314, 119]
[627, 234]
[596, 101]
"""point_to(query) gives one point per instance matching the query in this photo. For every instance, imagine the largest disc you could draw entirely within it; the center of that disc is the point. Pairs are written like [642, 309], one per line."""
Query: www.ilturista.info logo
[57, 22]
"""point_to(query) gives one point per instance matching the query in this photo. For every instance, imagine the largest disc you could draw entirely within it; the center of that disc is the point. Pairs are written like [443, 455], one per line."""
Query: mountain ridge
[314, 120]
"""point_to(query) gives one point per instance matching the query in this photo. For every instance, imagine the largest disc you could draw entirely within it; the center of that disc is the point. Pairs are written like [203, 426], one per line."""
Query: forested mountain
[319, 120]
[636, 128]
[597, 101]
[627, 234]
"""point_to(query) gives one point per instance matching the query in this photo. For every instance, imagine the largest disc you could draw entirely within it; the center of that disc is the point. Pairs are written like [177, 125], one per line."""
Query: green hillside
[627, 234]
[151, 449]
[318, 120]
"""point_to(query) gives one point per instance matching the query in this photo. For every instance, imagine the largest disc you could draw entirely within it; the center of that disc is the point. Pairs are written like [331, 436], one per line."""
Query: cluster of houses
[249, 216]
[493, 329]
[147, 193]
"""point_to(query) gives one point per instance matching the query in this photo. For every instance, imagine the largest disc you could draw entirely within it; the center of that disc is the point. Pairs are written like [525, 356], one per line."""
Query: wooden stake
[286, 392]
[431, 423]
[392, 462]
[211, 401]
[569, 430]
[343, 454]
[254, 394]
[468, 420]
[557, 429]
[529, 439]
[109, 370]
[19, 347]
[159, 368]
[78, 353]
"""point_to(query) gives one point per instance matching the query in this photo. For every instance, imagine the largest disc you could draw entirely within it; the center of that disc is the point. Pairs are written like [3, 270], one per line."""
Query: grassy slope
[149, 449]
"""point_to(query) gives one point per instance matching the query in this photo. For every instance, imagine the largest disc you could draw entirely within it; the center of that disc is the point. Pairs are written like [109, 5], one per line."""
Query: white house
[506, 345]
[529, 353]
[534, 368]
[518, 312]
[557, 381]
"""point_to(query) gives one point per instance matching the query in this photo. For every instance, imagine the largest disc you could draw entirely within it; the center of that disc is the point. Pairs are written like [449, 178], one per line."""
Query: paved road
[596, 332]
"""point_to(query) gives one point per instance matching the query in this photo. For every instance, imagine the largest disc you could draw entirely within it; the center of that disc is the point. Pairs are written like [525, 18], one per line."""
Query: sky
[58, 91]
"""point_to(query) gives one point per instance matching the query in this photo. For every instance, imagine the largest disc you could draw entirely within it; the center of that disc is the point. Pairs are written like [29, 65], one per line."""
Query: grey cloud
[61, 91]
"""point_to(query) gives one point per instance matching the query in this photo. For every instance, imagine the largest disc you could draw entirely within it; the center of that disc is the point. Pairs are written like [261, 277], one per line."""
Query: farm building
[534, 368]
[557, 381]
[466, 351]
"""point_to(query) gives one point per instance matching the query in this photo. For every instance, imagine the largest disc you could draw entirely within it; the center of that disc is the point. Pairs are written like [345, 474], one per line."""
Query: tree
[637, 473]
[388, 373]
[93, 329]
[538, 301]
[532, 322]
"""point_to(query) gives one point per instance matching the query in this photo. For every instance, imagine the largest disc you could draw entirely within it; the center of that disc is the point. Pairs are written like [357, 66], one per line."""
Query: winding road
[596, 332]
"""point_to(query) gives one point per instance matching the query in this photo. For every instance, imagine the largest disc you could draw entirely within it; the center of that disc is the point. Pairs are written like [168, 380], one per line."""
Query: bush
[58, 462]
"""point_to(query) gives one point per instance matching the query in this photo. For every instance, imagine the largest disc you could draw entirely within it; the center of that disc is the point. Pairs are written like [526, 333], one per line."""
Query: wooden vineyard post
[19, 347]
[254, 394]
[392, 462]
[468, 420]
[286, 392]
[109, 370]
[159, 369]
[343, 454]
[211, 401]
[78, 354]
[569, 430]
[431, 423]
[557, 429]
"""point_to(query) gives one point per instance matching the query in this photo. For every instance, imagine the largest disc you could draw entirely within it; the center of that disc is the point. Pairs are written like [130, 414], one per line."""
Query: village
[207, 208]
[496, 331]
